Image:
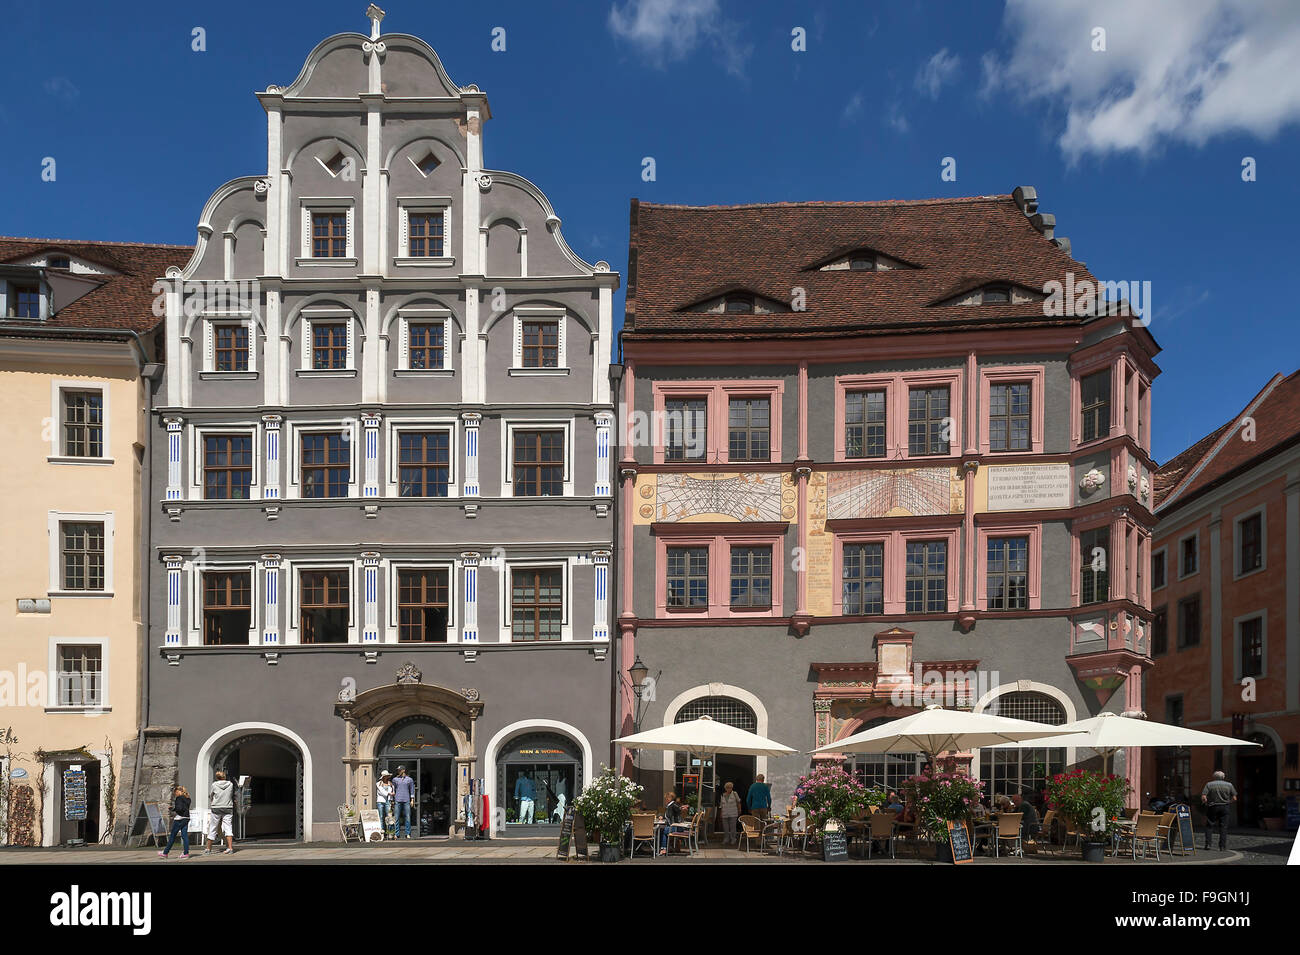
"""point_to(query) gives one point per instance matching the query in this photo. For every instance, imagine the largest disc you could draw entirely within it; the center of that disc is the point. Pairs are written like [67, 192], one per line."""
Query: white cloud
[666, 30]
[853, 108]
[63, 88]
[895, 119]
[1173, 70]
[937, 71]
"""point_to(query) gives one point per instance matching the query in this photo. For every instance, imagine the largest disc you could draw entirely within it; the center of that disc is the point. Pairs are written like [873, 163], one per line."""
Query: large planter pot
[1094, 851]
[942, 852]
[610, 852]
[1272, 823]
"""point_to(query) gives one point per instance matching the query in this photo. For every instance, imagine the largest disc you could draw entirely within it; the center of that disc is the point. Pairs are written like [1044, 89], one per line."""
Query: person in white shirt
[384, 797]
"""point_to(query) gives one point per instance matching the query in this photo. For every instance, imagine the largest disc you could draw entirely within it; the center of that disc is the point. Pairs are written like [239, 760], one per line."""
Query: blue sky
[1136, 149]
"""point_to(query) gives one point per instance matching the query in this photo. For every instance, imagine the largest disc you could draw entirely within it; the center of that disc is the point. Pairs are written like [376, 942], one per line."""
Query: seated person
[1029, 824]
[672, 815]
[979, 811]
[893, 803]
[1003, 803]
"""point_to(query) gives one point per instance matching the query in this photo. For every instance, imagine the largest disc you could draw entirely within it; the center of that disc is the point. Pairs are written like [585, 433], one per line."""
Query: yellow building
[76, 352]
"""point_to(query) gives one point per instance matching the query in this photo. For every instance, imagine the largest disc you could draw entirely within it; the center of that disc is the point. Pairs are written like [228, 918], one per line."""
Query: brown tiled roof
[681, 254]
[124, 300]
[1225, 453]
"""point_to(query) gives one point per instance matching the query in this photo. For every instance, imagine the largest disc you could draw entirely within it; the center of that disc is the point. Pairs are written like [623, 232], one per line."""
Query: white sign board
[1025, 487]
[372, 830]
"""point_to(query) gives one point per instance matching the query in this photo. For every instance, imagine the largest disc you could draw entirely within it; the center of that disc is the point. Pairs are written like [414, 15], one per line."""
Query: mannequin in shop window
[525, 795]
[557, 815]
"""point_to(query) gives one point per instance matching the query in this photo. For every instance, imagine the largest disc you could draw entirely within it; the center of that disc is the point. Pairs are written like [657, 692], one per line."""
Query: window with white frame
[323, 460]
[328, 341]
[324, 604]
[81, 412]
[538, 459]
[424, 231]
[1249, 543]
[80, 674]
[539, 341]
[81, 553]
[227, 596]
[422, 457]
[328, 232]
[1189, 555]
[536, 612]
[426, 340]
[228, 345]
[226, 463]
[421, 599]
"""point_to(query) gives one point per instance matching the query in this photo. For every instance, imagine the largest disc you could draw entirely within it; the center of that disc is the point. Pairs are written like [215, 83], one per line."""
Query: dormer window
[739, 303]
[58, 262]
[862, 263]
[861, 260]
[995, 295]
[26, 302]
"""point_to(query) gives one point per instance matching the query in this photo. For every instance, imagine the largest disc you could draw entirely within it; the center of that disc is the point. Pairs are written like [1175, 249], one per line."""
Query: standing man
[1218, 797]
[759, 798]
[221, 800]
[526, 794]
[403, 793]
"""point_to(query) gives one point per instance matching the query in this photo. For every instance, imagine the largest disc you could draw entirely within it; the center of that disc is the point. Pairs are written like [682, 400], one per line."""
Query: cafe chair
[1147, 834]
[1009, 831]
[1046, 832]
[1166, 828]
[706, 827]
[882, 828]
[796, 831]
[643, 832]
[751, 828]
[685, 834]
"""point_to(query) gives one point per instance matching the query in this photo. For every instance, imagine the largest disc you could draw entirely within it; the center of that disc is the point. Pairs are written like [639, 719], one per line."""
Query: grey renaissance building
[381, 467]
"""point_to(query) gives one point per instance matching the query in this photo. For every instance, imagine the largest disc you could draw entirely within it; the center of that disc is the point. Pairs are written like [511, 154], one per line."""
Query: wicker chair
[751, 828]
[1147, 833]
[881, 828]
[1166, 830]
[643, 832]
[686, 834]
[1009, 831]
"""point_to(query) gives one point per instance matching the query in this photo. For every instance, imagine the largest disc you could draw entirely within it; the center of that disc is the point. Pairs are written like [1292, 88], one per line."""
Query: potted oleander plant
[606, 807]
[1093, 802]
[939, 798]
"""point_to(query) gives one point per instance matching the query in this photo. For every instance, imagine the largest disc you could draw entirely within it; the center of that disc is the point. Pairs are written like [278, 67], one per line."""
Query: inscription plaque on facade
[1029, 486]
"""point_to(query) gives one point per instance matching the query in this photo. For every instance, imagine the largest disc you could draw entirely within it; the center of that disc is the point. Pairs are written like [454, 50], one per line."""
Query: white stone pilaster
[469, 620]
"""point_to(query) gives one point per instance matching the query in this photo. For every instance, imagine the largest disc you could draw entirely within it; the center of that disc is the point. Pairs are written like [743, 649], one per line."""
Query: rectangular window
[1007, 573]
[536, 604]
[326, 465]
[686, 429]
[863, 579]
[1189, 622]
[541, 344]
[1094, 405]
[751, 578]
[83, 424]
[1158, 571]
[927, 576]
[329, 345]
[1174, 710]
[323, 606]
[1160, 632]
[26, 301]
[424, 346]
[1094, 565]
[864, 424]
[1252, 543]
[1009, 417]
[227, 467]
[749, 429]
[83, 556]
[424, 463]
[1252, 647]
[1190, 552]
[227, 607]
[928, 422]
[539, 463]
[329, 235]
[424, 234]
[230, 348]
[688, 578]
[422, 602]
[81, 675]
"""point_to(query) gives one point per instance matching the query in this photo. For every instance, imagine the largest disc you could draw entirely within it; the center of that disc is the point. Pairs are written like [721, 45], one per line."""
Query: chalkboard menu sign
[835, 845]
[959, 841]
[1183, 828]
[566, 835]
[1292, 812]
[74, 794]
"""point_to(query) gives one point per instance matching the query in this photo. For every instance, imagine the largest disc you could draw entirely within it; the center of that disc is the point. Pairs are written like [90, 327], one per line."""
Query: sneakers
[163, 855]
[184, 856]
[207, 851]
[226, 852]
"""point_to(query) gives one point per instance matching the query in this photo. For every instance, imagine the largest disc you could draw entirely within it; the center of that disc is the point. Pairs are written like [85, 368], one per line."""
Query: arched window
[724, 709]
[1024, 771]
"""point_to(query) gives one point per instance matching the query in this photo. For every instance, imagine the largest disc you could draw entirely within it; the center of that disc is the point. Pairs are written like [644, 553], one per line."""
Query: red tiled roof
[1218, 456]
[681, 254]
[124, 300]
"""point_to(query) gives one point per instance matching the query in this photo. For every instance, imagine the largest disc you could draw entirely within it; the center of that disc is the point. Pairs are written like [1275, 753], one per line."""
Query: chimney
[1044, 222]
[1026, 199]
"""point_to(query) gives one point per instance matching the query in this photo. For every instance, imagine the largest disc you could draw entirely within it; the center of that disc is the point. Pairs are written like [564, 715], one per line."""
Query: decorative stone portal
[368, 716]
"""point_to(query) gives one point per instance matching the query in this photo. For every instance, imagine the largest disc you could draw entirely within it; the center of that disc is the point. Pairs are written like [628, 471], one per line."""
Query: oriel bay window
[1094, 565]
[749, 429]
[227, 607]
[424, 463]
[83, 424]
[751, 578]
[929, 421]
[863, 573]
[536, 604]
[865, 413]
[422, 606]
[538, 458]
[325, 464]
[323, 606]
[227, 466]
[688, 578]
[1094, 405]
[927, 576]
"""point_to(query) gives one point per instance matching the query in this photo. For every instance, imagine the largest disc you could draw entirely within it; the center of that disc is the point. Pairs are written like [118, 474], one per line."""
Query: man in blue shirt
[759, 798]
[403, 793]
[525, 794]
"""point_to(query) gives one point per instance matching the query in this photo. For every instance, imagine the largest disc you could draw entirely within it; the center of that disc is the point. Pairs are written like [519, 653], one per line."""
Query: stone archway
[368, 715]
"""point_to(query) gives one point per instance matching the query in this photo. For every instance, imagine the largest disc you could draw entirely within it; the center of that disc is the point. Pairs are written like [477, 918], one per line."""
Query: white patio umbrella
[1110, 732]
[706, 738]
[935, 730]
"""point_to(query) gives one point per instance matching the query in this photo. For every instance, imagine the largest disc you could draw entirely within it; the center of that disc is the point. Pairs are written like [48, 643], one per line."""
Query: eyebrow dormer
[738, 301]
[993, 293]
[861, 260]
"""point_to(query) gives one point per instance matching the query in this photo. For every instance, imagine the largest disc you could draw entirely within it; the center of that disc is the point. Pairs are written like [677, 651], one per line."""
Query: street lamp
[638, 673]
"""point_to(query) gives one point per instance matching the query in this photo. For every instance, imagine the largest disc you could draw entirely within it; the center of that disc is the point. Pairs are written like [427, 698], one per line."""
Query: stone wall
[159, 774]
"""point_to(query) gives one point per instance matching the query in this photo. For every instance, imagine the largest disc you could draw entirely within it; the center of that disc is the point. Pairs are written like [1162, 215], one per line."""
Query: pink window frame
[895, 566]
[719, 548]
[1035, 376]
[1117, 365]
[718, 395]
[1034, 532]
[897, 388]
[1079, 528]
